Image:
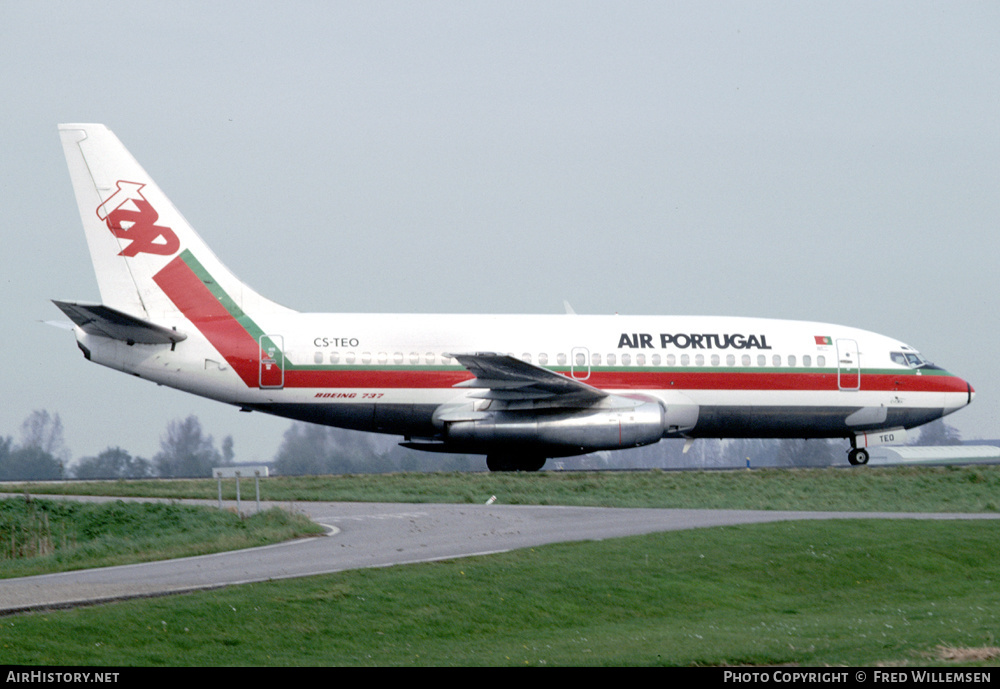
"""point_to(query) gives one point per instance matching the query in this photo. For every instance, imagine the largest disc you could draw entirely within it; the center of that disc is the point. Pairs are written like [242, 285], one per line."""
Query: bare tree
[29, 464]
[938, 433]
[114, 462]
[185, 451]
[44, 431]
[228, 453]
[312, 449]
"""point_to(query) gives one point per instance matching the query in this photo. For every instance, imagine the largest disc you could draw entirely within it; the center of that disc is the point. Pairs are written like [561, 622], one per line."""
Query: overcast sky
[831, 161]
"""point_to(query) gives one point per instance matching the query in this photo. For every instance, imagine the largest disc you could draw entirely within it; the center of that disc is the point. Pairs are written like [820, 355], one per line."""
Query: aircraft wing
[97, 319]
[503, 377]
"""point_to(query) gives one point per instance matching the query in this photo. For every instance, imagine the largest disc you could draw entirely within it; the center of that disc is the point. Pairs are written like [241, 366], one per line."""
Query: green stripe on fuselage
[228, 303]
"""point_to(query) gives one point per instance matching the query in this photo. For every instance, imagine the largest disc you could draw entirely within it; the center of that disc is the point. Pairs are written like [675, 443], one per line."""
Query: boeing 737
[518, 388]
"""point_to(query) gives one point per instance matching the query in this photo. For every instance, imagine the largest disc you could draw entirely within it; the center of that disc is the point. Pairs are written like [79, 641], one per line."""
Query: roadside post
[255, 470]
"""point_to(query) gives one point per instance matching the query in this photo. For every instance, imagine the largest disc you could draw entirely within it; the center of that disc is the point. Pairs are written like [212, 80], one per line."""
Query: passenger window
[715, 360]
[730, 360]
[746, 359]
[526, 357]
[791, 360]
[626, 359]
[597, 359]
[776, 360]
[543, 359]
[656, 359]
[671, 360]
[561, 359]
[397, 358]
[350, 357]
[429, 358]
[685, 359]
[383, 357]
[318, 358]
[806, 360]
[580, 359]
[612, 359]
[761, 360]
[414, 358]
[699, 359]
[640, 359]
[334, 357]
[820, 360]
[366, 357]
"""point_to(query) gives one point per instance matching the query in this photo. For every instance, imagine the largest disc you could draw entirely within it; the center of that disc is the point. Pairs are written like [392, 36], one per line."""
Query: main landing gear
[857, 456]
[514, 462]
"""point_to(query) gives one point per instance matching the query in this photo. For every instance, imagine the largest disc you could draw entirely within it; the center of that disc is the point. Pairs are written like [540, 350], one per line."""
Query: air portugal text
[693, 341]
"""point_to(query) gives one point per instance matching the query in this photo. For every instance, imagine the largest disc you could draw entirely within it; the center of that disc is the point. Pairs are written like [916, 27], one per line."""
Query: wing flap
[503, 377]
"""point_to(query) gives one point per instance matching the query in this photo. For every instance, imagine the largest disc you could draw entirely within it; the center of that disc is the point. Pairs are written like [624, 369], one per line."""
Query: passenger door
[848, 365]
[272, 362]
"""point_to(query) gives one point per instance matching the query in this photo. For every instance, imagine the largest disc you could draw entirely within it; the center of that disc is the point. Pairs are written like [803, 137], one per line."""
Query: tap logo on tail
[130, 216]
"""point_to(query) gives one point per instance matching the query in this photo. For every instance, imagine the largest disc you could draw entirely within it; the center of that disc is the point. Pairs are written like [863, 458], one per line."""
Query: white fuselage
[716, 376]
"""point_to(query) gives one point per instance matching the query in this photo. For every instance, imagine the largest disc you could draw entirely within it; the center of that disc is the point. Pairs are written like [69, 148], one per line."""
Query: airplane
[520, 389]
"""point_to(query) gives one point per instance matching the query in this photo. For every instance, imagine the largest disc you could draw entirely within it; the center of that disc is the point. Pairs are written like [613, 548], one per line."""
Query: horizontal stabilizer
[97, 319]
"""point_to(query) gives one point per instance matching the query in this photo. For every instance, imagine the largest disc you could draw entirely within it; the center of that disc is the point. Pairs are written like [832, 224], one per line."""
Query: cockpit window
[911, 359]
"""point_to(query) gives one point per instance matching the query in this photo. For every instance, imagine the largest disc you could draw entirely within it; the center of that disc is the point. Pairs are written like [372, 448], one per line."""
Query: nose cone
[958, 393]
[965, 394]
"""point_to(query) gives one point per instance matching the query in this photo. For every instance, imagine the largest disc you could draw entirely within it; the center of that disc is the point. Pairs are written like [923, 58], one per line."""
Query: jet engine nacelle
[629, 423]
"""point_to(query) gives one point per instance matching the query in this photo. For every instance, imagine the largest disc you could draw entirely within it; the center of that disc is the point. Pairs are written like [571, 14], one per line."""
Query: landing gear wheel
[532, 463]
[858, 456]
[514, 462]
[499, 463]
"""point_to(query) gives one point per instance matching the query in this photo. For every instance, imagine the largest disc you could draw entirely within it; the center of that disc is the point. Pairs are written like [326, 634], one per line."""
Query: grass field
[806, 593]
[889, 592]
[897, 489]
[41, 536]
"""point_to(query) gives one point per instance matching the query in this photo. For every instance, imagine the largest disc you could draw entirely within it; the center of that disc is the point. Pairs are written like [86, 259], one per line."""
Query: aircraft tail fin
[138, 240]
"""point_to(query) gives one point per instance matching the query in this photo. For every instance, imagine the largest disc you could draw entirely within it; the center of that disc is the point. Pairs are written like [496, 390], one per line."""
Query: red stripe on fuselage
[374, 378]
[386, 377]
[201, 307]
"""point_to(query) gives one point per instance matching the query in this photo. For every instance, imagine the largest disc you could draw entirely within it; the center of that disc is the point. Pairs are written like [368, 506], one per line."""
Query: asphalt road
[384, 534]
